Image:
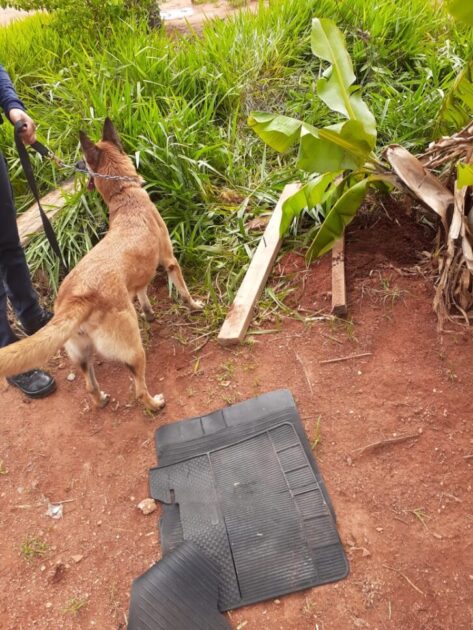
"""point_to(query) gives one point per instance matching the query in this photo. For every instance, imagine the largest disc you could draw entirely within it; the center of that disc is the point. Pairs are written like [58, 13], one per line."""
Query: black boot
[35, 383]
[32, 326]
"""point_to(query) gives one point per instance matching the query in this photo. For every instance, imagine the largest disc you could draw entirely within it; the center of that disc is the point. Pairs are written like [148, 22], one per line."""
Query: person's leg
[15, 281]
[7, 336]
[16, 277]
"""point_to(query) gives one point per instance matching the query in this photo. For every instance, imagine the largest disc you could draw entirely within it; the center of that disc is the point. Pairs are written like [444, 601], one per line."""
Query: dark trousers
[15, 281]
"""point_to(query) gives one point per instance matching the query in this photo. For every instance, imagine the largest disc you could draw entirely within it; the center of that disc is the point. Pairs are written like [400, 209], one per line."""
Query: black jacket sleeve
[8, 97]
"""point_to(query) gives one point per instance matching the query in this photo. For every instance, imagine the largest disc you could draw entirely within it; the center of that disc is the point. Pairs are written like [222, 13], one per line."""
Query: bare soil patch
[405, 509]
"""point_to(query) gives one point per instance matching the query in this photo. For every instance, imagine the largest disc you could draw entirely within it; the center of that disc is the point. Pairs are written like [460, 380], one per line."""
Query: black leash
[28, 170]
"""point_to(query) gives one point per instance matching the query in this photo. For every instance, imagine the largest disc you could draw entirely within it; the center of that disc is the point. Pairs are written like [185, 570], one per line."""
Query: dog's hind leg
[80, 351]
[118, 339]
[145, 305]
[175, 273]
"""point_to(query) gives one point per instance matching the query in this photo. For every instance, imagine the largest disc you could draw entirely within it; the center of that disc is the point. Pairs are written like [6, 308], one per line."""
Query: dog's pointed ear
[110, 134]
[91, 151]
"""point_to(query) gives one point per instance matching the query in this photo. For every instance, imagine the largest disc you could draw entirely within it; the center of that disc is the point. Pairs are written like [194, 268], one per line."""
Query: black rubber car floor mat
[178, 593]
[242, 484]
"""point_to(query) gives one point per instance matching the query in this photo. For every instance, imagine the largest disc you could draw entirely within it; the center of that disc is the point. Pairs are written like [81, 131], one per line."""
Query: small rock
[277, 601]
[77, 558]
[71, 377]
[57, 574]
[48, 605]
[147, 506]
[365, 553]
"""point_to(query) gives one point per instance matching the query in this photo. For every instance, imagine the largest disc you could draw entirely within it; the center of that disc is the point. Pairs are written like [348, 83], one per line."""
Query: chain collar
[79, 167]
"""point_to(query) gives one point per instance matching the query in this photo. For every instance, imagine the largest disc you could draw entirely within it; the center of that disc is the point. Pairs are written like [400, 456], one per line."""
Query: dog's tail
[33, 351]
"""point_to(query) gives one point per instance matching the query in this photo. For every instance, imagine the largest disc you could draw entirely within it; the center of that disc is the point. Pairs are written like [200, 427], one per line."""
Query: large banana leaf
[462, 10]
[279, 132]
[339, 216]
[328, 43]
[309, 196]
[333, 148]
[342, 146]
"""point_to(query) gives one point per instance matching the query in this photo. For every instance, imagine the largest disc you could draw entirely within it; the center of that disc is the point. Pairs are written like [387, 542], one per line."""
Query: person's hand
[28, 133]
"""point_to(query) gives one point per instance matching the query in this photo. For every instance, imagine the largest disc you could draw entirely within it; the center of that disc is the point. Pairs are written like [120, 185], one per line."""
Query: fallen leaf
[257, 224]
[419, 180]
[230, 196]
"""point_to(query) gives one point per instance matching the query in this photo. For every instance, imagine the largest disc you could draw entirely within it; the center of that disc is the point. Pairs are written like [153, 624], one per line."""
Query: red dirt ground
[405, 510]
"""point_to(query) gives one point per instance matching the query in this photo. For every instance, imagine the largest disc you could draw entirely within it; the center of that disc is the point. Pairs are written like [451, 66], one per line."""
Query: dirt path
[179, 15]
[405, 511]
[8, 15]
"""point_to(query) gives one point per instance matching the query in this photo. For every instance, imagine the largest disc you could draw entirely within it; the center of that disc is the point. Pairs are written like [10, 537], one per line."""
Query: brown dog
[94, 307]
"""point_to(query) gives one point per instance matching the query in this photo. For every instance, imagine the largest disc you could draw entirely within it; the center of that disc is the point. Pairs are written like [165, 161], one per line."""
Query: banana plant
[340, 158]
[343, 165]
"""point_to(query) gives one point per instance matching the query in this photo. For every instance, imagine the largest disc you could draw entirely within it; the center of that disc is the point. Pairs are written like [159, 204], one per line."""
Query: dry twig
[351, 356]
[396, 440]
[305, 373]
[406, 578]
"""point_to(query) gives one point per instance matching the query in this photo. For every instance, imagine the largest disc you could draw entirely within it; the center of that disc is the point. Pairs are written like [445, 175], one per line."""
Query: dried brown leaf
[257, 224]
[419, 180]
[230, 196]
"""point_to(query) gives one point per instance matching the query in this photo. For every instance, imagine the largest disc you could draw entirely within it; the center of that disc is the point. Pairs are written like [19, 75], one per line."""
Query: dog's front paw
[149, 316]
[196, 305]
[158, 401]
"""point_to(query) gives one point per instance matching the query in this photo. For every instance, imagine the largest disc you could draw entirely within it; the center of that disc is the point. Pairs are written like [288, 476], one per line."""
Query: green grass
[33, 547]
[75, 604]
[181, 105]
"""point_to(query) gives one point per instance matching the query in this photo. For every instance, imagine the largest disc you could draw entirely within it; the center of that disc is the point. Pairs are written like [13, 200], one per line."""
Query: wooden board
[241, 312]
[339, 293]
[29, 222]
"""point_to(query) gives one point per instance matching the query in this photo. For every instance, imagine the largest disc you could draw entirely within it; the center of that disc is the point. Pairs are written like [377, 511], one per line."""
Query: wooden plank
[339, 293]
[29, 222]
[241, 312]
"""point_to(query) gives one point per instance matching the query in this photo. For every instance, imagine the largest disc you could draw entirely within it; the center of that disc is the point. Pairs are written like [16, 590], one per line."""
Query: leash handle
[20, 126]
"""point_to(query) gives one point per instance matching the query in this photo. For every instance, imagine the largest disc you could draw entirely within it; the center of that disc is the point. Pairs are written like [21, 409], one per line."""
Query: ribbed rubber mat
[178, 593]
[242, 484]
